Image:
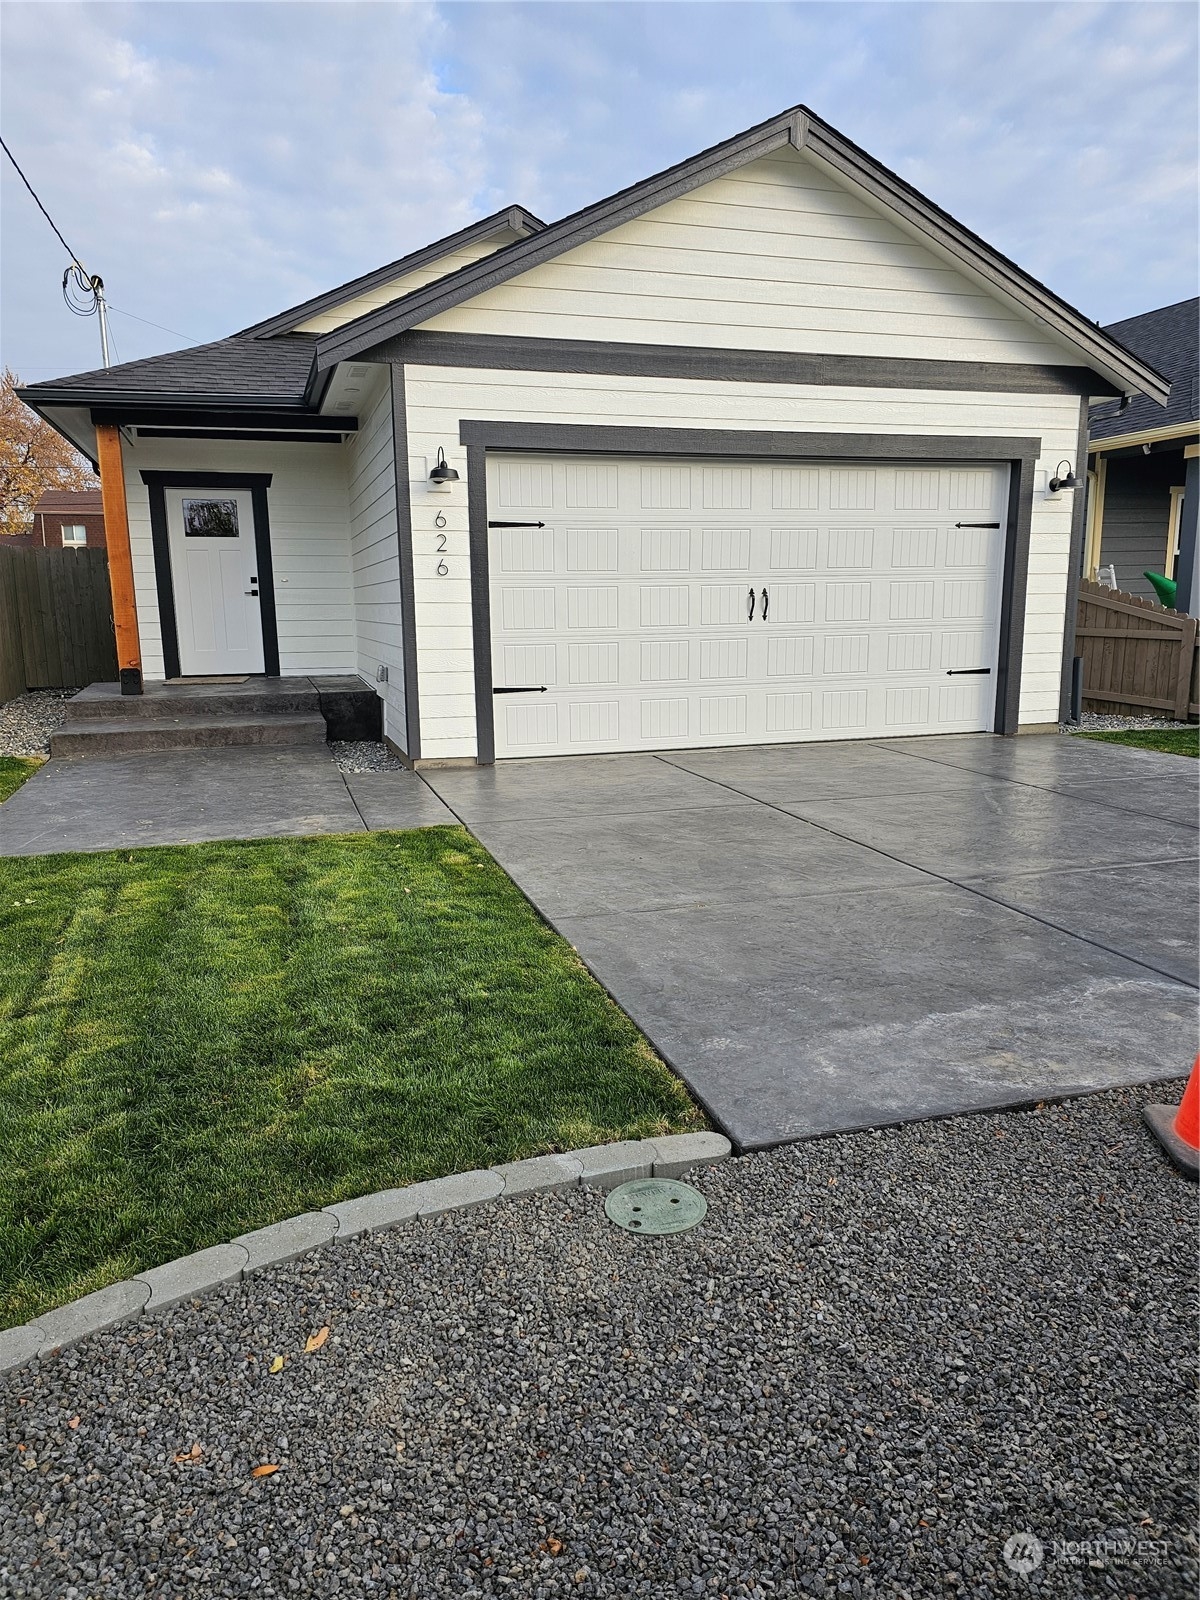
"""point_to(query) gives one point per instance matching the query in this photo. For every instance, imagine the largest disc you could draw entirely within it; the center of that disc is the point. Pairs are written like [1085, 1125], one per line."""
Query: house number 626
[440, 522]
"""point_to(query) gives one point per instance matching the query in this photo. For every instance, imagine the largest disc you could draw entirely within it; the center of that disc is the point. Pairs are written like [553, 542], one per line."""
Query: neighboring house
[1138, 454]
[755, 450]
[68, 520]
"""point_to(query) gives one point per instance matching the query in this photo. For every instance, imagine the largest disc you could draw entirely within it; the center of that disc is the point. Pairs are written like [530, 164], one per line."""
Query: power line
[37, 202]
[150, 324]
[75, 258]
[90, 285]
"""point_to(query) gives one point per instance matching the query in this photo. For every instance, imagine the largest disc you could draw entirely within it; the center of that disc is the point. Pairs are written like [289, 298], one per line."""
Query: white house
[763, 448]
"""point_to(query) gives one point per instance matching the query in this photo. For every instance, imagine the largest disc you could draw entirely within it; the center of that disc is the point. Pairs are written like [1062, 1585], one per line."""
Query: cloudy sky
[218, 162]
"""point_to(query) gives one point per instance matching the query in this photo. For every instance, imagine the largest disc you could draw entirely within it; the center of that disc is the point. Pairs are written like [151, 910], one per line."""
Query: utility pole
[102, 318]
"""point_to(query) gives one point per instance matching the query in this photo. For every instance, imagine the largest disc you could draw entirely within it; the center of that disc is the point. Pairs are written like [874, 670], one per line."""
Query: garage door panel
[795, 488]
[914, 547]
[666, 549]
[793, 549]
[591, 549]
[916, 489]
[639, 607]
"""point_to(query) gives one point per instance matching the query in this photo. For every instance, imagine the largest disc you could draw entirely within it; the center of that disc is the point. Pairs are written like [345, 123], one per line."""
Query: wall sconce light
[1058, 483]
[442, 476]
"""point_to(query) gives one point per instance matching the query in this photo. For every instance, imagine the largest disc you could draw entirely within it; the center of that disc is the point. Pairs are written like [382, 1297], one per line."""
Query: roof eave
[36, 397]
[514, 217]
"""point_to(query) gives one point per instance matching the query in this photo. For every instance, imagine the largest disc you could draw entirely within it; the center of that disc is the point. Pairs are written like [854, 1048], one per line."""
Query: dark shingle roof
[1169, 339]
[259, 371]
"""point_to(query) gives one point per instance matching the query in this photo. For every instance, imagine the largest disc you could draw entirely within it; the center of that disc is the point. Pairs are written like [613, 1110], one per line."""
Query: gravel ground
[1097, 722]
[880, 1357]
[364, 755]
[27, 722]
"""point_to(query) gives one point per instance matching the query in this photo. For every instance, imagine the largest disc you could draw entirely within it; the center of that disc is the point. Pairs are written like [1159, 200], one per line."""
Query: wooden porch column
[120, 559]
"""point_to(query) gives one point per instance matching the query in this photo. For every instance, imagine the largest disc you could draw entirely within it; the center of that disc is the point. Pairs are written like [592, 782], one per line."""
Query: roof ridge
[800, 128]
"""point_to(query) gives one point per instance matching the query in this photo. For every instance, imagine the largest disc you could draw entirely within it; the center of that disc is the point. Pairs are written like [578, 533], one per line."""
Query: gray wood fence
[56, 629]
[1138, 658]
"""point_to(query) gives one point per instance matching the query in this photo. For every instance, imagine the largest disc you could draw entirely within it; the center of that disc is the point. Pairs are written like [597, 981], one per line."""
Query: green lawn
[1176, 741]
[13, 772]
[199, 1040]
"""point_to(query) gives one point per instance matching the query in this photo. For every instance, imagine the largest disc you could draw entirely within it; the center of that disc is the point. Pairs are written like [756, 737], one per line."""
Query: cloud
[218, 162]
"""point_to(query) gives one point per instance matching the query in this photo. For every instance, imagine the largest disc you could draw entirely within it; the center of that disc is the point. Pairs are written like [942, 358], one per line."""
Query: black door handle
[750, 603]
[766, 601]
[968, 672]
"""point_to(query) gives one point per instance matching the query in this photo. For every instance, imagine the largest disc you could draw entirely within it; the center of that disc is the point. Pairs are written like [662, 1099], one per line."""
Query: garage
[656, 602]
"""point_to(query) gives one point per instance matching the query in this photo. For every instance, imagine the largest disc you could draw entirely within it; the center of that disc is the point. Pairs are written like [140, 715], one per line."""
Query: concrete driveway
[827, 937]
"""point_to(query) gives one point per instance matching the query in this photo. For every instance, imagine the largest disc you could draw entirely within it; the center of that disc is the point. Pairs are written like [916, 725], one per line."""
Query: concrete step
[129, 735]
[109, 705]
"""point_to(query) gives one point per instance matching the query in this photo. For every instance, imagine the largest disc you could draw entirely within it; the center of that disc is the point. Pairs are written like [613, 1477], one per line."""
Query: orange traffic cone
[1177, 1128]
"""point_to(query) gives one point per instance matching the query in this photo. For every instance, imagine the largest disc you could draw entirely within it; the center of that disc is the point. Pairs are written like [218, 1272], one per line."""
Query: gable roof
[1170, 339]
[269, 366]
[83, 502]
[803, 130]
[515, 218]
[227, 372]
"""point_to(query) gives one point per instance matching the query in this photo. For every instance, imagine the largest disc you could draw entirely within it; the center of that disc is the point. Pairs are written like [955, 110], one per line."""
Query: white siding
[438, 397]
[384, 293]
[310, 543]
[775, 256]
[374, 551]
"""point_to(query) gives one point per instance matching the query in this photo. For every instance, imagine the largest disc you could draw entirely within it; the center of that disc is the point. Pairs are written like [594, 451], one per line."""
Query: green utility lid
[655, 1205]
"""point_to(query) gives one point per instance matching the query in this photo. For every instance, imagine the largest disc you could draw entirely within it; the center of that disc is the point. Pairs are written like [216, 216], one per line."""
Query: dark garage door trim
[1017, 453]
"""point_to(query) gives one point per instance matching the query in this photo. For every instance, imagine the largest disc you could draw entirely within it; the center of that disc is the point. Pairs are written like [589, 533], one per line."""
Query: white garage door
[683, 603]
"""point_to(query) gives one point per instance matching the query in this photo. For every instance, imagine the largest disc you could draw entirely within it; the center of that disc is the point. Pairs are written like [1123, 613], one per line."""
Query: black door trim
[157, 483]
[1018, 453]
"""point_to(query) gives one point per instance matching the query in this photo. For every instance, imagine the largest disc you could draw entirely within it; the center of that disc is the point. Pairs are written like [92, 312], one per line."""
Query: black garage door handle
[968, 672]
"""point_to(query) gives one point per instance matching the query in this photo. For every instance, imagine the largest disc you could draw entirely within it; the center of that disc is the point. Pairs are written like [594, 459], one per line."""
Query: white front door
[214, 575]
[650, 604]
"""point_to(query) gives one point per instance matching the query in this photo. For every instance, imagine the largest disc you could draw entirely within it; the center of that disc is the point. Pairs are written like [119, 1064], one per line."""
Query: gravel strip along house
[764, 448]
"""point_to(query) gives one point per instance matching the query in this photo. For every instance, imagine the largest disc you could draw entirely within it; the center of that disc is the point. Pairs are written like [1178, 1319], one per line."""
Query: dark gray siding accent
[745, 442]
[1137, 509]
[1075, 560]
[404, 541]
[1018, 454]
[1012, 601]
[797, 126]
[481, 605]
[492, 351]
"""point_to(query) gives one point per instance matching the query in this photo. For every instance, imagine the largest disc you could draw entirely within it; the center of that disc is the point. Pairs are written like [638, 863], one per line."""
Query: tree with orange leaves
[33, 459]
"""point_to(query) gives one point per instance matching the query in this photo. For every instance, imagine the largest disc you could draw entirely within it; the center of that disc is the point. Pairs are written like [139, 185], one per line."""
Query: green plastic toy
[1165, 588]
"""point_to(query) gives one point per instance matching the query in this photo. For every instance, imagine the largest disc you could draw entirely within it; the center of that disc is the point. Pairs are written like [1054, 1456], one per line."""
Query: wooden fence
[1137, 657]
[56, 629]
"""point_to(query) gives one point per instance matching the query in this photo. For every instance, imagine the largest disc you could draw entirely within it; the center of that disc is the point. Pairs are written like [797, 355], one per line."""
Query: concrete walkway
[824, 937]
[188, 797]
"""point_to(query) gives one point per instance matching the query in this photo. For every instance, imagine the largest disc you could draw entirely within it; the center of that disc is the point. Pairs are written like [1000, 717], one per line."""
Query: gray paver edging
[601, 1166]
